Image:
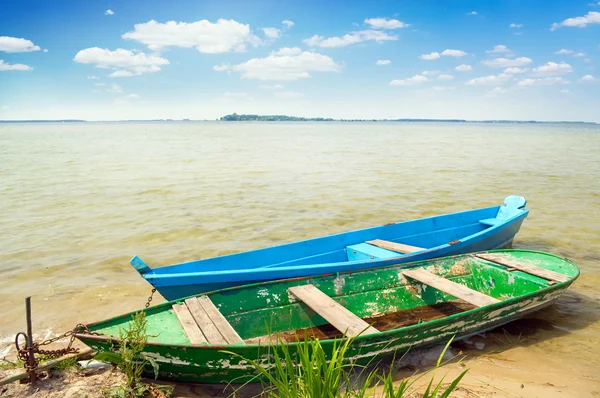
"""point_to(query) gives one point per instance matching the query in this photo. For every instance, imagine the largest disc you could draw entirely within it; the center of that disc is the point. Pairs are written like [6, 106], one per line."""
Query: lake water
[77, 201]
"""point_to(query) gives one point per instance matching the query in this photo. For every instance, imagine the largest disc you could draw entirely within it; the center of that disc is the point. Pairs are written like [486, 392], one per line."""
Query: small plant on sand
[308, 371]
[131, 361]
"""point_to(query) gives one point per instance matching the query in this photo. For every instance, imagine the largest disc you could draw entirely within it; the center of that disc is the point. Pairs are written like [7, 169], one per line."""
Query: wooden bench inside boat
[452, 288]
[332, 311]
[396, 247]
[204, 323]
[531, 269]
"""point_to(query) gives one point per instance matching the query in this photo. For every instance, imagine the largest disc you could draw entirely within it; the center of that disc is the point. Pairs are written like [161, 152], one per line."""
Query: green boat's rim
[432, 323]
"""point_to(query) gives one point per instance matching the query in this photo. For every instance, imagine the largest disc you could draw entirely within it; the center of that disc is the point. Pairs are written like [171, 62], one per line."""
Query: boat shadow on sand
[572, 312]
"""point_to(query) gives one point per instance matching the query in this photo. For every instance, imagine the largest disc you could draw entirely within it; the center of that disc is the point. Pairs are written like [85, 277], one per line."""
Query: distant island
[234, 117]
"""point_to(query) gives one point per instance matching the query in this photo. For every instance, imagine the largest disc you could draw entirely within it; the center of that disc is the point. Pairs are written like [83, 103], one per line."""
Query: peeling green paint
[254, 309]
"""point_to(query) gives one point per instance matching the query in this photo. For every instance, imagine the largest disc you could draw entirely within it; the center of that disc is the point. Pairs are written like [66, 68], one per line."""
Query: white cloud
[17, 45]
[271, 87]
[385, 23]
[579, 55]
[497, 91]
[272, 33]
[491, 80]
[564, 91]
[454, 53]
[552, 68]
[114, 88]
[347, 39]
[445, 77]
[287, 51]
[93, 77]
[430, 72]
[500, 48]
[546, 81]
[417, 79]
[472, 13]
[515, 25]
[109, 12]
[514, 70]
[430, 56]
[122, 73]
[212, 38]
[383, 62]
[45, 50]
[443, 88]
[5, 66]
[125, 62]
[587, 78]
[287, 23]
[463, 68]
[563, 51]
[591, 17]
[284, 64]
[288, 95]
[4, 107]
[506, 63]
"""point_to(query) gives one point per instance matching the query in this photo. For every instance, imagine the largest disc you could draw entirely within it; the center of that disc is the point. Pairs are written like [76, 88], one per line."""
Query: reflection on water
[78, 200]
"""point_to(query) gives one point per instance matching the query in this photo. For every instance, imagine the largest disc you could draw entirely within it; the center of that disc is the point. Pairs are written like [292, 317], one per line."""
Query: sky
[155, 59]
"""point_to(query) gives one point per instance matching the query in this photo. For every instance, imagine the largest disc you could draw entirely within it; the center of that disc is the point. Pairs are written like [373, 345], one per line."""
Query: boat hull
[446, 235]
[210, 364]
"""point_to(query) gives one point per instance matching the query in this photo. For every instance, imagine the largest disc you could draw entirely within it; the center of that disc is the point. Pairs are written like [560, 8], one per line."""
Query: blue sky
[111, 60]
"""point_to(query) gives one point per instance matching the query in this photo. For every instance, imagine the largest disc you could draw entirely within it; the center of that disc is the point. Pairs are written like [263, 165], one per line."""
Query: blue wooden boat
[450, 234]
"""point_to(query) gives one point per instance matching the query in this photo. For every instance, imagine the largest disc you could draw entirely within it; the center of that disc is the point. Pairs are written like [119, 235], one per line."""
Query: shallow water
[78, 200]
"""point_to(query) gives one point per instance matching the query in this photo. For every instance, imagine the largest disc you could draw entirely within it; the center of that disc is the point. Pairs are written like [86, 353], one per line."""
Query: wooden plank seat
[396, 247]
[452, 288]
[204, 323]
[333, 312]
[189, 325]
[513, 264]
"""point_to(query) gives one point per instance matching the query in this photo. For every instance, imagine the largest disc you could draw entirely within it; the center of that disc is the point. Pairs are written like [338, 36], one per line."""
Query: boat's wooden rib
[447, 286]
[190, 327]
[204, 322]
[393, 246]
[334, 313]
[521, 266]
[227, 331]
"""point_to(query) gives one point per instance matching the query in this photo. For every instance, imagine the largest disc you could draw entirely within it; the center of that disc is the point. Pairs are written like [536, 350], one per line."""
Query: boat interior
[353, 304]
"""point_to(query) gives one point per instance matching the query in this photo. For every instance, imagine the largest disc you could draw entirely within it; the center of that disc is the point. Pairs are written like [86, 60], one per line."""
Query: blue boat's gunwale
[308, 242]
[241, 275]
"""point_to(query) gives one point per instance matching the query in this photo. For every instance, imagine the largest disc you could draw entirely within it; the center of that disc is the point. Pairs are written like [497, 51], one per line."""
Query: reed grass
[307, 371]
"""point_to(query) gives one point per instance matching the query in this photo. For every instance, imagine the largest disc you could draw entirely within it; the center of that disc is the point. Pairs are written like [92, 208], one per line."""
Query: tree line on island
[234, 117]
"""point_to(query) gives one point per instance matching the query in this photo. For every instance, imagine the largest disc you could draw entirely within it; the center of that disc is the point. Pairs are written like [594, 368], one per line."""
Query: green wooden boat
[390, 310]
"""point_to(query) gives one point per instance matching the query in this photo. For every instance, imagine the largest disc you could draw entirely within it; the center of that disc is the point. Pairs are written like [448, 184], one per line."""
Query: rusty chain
[24, 353]
[31, 364]
[150, 298]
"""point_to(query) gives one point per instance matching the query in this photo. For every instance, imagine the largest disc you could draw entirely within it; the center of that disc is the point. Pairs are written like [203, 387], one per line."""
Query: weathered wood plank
[521, 266]
[227, 331]
[447, 286]
[334, 313]
[189, 325]
[202, 319]
[396, 247]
